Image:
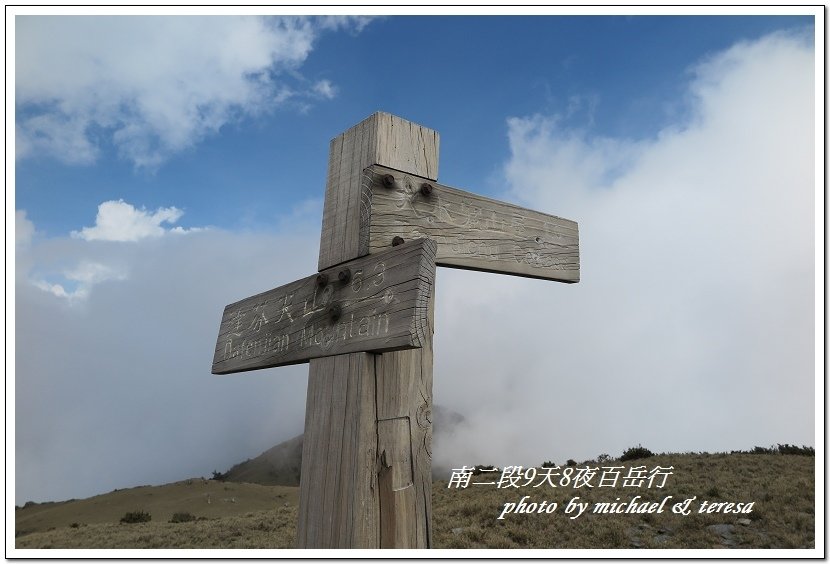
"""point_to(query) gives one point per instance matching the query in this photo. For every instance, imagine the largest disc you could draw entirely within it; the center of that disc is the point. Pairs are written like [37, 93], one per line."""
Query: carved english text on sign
[472, 231]
[376, 303]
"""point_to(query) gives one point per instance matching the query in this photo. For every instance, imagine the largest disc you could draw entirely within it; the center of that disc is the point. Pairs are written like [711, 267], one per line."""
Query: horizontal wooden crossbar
[375, 303]
[472, 232]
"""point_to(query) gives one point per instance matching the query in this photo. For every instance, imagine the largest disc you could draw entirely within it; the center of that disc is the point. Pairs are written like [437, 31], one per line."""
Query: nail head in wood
[397, 241]
[344, 275]
[388, 181]
[426, 189]
[322, 279]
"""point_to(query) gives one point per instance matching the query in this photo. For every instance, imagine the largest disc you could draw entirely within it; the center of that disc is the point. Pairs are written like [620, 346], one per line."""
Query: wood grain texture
[339, 505]
[365, 479]
[382, 307]
[473, 232]
[405, 450]
[381, 139]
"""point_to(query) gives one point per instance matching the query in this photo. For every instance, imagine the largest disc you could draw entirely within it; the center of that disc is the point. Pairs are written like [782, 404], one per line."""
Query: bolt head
[322, 279]
[426, 189]
[335, 312]
[397, 241]
[344, 275]
[388, 181]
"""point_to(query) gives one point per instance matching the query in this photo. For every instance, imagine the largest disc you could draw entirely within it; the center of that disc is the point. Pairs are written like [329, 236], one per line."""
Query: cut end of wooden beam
[421, 330]
[381, 139]
[406, 146]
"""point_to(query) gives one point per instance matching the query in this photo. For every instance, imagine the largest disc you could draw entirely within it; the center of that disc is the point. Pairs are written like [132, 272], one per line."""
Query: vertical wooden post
[366, 469]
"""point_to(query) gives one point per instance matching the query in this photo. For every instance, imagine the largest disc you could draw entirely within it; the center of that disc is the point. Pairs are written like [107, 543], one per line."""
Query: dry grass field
[782, 488]
[228, 515]
[253, 516]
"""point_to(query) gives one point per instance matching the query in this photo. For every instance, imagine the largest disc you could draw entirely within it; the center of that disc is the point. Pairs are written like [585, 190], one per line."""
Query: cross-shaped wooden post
[366, 476]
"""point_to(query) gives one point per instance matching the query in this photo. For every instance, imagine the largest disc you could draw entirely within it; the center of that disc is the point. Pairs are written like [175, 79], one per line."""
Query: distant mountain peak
[280, 464]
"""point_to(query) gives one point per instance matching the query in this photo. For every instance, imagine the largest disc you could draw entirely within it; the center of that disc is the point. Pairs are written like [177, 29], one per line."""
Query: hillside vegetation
[781, 487]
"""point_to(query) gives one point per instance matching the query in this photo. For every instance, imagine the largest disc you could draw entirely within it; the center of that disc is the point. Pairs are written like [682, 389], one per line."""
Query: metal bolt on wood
[344, 275]
[397, 241]
[389, 181]
[335, 311]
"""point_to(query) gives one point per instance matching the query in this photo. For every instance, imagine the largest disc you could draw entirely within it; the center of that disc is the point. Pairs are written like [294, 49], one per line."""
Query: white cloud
[24, 229]
[54, 289]
[693, 325]
[179, 230]
[63, 136]
[325, 89]
[73, 281]
[84, 276]
[90, 272]
[120, 221]
[116, 221]
[356, 24]
[152, 85]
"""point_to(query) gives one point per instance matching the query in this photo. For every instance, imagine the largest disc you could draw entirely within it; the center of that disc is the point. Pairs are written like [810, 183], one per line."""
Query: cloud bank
[693, 325]
[113, 384]
[154, 86]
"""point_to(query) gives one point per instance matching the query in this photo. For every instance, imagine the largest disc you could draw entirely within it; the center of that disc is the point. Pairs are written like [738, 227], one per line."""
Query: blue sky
[616, 76]
[167, 167]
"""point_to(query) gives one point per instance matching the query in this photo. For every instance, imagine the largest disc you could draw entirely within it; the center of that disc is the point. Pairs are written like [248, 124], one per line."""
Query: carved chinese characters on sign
[472, 231]
[376, 303]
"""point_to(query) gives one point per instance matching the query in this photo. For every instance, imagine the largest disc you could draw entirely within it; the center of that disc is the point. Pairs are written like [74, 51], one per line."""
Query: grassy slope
[201, 498]
[782, 488]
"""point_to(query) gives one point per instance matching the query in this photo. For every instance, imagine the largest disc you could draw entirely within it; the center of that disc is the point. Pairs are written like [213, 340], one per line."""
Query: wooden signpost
[366, 476]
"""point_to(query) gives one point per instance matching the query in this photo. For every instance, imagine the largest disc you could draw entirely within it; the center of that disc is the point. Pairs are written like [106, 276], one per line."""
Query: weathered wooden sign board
[472, 232]
[376, 303]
